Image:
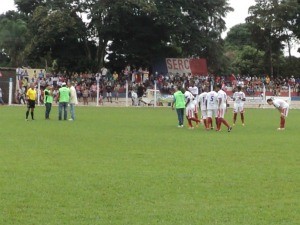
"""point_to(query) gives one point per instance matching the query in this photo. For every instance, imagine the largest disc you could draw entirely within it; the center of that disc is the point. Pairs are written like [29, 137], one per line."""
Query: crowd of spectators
[86, 83]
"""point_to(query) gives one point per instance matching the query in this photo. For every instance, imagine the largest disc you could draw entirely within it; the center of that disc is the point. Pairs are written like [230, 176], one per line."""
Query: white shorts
[221, 113]
[204, 114]
[211, 113]
[196, 109]
[285, 112]
[238, 108]
[190, 112]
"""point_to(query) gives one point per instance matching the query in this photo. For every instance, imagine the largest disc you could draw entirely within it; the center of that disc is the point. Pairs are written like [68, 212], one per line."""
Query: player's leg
[235, 112]
[189, 113]
[27, 112]
[242, 115]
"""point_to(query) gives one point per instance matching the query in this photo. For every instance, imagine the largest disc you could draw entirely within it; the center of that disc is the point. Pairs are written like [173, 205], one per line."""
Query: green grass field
[133, 166]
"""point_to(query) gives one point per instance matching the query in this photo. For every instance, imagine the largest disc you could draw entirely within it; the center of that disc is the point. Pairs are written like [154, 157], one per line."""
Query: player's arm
[173, 102]
[244, 98]
[187, 102]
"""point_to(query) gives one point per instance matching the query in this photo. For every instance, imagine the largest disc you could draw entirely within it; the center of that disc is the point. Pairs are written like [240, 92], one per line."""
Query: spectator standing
[283, 108]
[31, 97]
[63, 98]
[108, 92]
[140, 93]
[179, 102]
[41, 75]
[73, 100]
[48, 100]
[85, 95]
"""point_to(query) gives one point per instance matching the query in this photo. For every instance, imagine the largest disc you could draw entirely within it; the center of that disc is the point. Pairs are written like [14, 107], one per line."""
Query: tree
[272, 21]
[13, 37]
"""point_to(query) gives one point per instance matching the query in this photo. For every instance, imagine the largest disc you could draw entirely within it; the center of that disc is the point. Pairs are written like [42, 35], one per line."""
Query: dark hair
[269, 100]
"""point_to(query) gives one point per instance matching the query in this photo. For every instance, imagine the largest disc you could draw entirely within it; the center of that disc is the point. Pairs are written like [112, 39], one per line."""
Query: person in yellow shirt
[30, 97]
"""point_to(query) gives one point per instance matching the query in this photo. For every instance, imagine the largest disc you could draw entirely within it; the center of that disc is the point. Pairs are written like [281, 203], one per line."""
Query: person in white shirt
[73, 100]
[222, 107]
[203, 108]
[212, 105]
[190, 108]
[238, 107]
[195, 91]
[283, 108]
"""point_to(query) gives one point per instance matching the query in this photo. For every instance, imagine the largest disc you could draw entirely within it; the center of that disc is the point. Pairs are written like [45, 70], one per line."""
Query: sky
[232, 18]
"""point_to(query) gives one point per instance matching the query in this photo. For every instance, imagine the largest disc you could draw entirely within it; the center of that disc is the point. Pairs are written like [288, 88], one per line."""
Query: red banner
[185, 65]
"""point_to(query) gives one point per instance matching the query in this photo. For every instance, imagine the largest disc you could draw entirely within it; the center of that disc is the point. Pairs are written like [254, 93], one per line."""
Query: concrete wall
[7, 73]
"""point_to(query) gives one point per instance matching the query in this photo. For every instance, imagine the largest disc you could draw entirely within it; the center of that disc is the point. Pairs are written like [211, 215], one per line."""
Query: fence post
[10, 91]
[126, 86]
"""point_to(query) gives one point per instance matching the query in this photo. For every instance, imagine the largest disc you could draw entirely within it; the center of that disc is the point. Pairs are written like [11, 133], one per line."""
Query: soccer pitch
[133, 166]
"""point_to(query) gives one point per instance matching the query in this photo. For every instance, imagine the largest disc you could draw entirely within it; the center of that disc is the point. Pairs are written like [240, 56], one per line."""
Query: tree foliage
[138, 32]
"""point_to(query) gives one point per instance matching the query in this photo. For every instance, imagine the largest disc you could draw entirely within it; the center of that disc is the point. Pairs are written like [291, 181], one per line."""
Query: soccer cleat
[71, 119]
[280, 128]
[243, 124]
[229, 129]
[26, 119]
[191, 128]
[233, 124]
[181, 125]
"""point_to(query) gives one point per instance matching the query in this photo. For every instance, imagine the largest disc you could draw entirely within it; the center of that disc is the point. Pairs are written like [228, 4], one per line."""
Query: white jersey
[202, 100]
[189, 96]
[222, 99]
[212, 100]
[195, 91]
[280, 103]
[238, 96]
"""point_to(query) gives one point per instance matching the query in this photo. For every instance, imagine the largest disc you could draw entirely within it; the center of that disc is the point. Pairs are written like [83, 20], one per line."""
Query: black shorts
[31, 104]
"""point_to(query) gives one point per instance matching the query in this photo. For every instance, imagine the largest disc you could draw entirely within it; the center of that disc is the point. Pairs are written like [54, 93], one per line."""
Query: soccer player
[203, 103]
[195, 91]
[238, 106]
[30, 97]
[222, 107]
[179, 102]
[190, 108]
[283, 108]
[212, 105]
